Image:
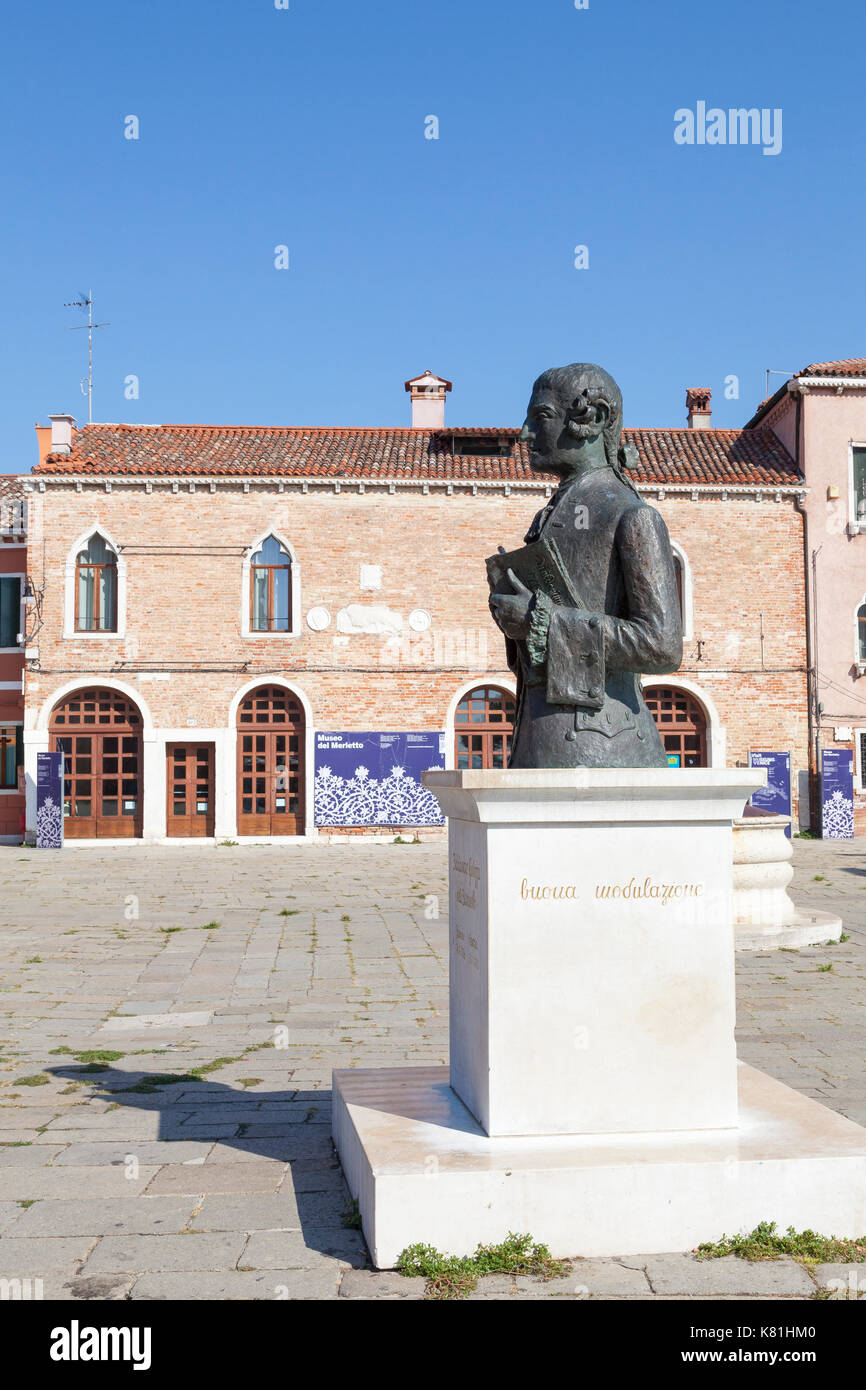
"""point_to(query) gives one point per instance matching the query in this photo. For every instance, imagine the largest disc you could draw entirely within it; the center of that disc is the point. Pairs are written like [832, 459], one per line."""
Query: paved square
[191, 1156]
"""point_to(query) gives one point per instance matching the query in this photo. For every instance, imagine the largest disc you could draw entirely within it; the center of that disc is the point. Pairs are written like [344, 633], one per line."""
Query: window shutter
[10, 611]
[19, 745]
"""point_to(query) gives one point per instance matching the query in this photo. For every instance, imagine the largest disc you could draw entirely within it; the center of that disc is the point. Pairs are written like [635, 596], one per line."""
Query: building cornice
[358, 486]
[803, 384]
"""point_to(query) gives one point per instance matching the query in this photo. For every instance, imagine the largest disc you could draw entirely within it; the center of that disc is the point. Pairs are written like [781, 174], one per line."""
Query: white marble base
[422, 1169]
[591, 947]
[804, 929]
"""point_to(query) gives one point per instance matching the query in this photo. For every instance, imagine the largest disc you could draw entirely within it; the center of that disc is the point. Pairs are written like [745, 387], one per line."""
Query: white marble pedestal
[593, 1096]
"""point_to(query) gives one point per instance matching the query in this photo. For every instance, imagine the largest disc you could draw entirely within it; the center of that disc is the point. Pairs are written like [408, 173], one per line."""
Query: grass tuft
[456, 1276]
[766, 1243]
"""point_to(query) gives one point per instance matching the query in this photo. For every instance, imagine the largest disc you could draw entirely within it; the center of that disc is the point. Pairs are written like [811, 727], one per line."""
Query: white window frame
[855, 526]
[22, 614]
[859, 661]
[859, 789]
[688, 592]
[70, 632]
[247, 632]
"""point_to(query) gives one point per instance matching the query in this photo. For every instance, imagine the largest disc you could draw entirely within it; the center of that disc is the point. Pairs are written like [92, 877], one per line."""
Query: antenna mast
[85, 301]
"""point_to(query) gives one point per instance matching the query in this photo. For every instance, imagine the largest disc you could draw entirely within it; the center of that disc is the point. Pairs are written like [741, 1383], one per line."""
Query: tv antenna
[773, 371]
[85, 302]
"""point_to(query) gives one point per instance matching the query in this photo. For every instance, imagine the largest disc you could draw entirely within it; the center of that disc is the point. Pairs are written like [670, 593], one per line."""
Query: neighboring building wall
[830, 421]
[186, 662]
[830, 424]
[13, 564]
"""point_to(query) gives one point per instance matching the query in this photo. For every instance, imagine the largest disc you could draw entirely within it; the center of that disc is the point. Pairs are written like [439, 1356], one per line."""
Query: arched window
[270, 588]
[483, 723]
[678, 571]
[96, 587]
[861, 632]
[683, 572]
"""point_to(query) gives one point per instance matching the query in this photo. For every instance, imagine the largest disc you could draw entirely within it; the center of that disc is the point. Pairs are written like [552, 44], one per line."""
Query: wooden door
[682, 724]
[189, 777]
[99, 734]
[270, 763]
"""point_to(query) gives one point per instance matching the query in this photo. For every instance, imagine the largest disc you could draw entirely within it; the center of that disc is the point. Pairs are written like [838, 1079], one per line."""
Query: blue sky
[306, 127]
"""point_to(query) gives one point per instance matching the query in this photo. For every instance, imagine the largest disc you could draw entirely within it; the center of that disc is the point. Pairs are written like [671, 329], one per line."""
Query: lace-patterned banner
[375, 779]
[837, 794]
[49, 800]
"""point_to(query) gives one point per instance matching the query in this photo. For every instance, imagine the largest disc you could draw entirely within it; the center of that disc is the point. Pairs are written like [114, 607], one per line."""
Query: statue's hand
[511, 611]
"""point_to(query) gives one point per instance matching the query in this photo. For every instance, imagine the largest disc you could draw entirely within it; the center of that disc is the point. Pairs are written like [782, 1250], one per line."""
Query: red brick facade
[182, 653]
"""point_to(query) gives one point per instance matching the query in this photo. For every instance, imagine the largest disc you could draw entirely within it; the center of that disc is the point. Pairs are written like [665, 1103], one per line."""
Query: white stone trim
[70, 632]
[37, 738]
[227, 805]
[484, 678]
[804, 384]
[717, 734]
[688, 592]
[294, 585]
[287, 484]
[94, 681]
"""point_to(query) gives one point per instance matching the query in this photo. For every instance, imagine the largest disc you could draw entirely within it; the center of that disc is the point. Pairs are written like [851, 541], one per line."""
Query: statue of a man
[578, 662]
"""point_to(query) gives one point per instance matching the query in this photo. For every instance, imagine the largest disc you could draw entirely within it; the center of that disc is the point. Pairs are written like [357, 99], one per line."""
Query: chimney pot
[427, 393]
[62, 427]
[698, 405]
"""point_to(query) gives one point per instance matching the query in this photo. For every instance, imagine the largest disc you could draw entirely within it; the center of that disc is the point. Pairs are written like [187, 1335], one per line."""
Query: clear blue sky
[305, 127]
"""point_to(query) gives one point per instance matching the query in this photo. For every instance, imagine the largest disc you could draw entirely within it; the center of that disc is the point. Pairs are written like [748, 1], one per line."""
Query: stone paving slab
[685, 1275]
[242, 1159]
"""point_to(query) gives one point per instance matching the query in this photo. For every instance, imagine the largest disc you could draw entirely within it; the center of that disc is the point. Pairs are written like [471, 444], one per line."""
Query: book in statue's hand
[539, 566]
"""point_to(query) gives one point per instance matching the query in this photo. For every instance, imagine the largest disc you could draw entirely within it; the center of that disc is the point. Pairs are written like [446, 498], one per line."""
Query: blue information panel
[776, 795]
[49, 800]
[837, 794]
[375, 779]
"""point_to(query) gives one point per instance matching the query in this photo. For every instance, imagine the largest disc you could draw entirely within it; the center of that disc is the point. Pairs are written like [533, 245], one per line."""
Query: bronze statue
[590, 602]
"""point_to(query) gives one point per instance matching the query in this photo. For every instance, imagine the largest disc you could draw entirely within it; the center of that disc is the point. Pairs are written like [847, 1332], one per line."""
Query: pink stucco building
[820, 417]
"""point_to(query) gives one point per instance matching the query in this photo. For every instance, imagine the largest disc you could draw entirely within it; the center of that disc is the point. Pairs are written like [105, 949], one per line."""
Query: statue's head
[574, 420]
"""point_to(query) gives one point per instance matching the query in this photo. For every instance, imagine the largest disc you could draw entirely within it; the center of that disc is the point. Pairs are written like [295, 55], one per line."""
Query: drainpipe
[814, 721]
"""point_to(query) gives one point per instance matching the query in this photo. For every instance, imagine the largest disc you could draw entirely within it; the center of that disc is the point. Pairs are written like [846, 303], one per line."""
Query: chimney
[698, 406]
[427, 393]
[62, 427]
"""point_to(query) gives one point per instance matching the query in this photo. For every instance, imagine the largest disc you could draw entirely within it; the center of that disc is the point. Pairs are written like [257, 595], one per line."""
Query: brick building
[212, 598]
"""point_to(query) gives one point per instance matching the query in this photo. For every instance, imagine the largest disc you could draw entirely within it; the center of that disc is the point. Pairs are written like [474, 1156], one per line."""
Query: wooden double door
[270, 763]
[189, 779]
[483, 728]
[99, 733]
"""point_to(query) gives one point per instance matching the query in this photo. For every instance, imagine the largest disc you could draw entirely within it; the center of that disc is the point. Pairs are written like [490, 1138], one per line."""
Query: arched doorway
[270, 762]
[682, 723]
[483, 724]
[99, 733]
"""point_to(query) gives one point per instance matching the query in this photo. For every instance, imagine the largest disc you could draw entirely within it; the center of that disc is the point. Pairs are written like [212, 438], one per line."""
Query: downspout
[811, 674]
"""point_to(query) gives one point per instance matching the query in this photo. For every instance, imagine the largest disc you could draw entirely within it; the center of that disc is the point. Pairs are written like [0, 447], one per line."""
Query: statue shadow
[291, 1127]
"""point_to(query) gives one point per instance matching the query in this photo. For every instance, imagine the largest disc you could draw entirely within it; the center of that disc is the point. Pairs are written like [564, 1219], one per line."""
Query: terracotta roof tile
[849, 366]
[666, 456]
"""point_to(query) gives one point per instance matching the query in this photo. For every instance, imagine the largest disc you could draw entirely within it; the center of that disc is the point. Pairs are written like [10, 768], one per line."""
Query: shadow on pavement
[288, 1126]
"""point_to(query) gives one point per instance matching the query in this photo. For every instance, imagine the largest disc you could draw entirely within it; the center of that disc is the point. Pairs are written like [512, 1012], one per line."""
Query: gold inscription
[659, 892]
[547, 891]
